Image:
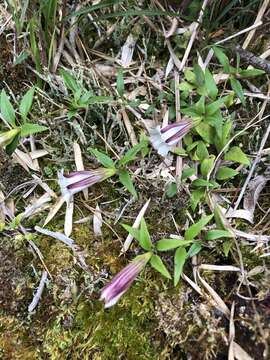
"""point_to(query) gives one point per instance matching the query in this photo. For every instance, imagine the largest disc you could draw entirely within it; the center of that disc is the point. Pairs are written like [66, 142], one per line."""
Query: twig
[179, 160]
[62, 39]
[258, 18]
[129, 128]
[193, 35]
[252, 27]
[252, 59]
[231, 334]
[39, 292]
[136, 224]
[258, 156]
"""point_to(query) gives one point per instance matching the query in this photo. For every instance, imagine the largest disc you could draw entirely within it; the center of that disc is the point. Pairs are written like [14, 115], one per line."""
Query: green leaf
[104, 159]
[120, 83]
[196, 228]
[133, 232]
[237, 155]
[207, 165]
[216, 105]
[222, 58]
[29, 128]
[194, 249]
[158, 265]
[202, 151]
[217, 234]
[199, 75]
[169, 244]
[219, 217]
[185, 86]
[6, 109]
[226, 129]
[191, 111]
[200, 106]
[210, 84]
[203, 183]
[190, 76]
[216, 121]
[187, 173]
[251, 73]
[237, 88]
[110, 14]
[171, 190]
[89, 9]
[179, 152]
[206, 132]
[225, 173]
[134, 13]
[227, 247]
[70, 81]
[179, 262]
[99, 100]
[132, 153]
[145, 239]
[26, 103]
[196, 196]
[23, 56]
[125, 179]
[10, 148]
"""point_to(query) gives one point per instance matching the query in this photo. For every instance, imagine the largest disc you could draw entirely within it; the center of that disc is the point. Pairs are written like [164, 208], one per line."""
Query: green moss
[124, 331]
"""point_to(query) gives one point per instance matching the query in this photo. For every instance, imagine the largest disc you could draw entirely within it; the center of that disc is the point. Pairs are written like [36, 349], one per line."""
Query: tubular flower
[77, 181]
[8, 136]
[112, 292]
[165, 138]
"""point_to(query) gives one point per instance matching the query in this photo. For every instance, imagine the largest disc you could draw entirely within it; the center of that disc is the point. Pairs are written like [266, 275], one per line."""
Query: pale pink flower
[77, 181]
[164, 139]
[112, 292]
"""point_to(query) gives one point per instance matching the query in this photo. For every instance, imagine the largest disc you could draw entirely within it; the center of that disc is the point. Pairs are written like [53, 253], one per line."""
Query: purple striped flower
[112, 292]
[165, 138]
[77, 181]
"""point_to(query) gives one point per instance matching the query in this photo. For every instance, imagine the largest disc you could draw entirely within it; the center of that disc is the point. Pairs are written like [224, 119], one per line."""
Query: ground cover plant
[134, 179]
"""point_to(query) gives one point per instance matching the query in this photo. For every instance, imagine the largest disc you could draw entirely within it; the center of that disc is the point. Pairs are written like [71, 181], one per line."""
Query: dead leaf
[69, 217]
[135, 225]
[127, 51]
[97, 221]
[255, 187]
[54, 210]
[79, 163]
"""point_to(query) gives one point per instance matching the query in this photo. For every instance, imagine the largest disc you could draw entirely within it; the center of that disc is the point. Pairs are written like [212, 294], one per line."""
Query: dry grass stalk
[129, 128]
[135, 225]
[79, 163]
[260, 14]
[193, 36]
[231, 334]
[258, 156]
[37, 295]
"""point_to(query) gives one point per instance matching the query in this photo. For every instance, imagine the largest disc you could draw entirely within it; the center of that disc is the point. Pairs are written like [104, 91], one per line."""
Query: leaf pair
[8, 113]
[123, 173]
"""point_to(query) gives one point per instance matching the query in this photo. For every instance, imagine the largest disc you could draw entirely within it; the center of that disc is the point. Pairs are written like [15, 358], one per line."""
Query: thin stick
[39, 292]
[258, 156]
[231, 334]
[135, 225]
[252, 27]
[193, 36]
[179, 160]
[258, 18]
[129, 128]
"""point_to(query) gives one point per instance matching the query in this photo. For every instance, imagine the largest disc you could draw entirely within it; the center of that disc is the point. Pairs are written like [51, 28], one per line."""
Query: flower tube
[112, 292]
[77, 181]
[165, 138]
